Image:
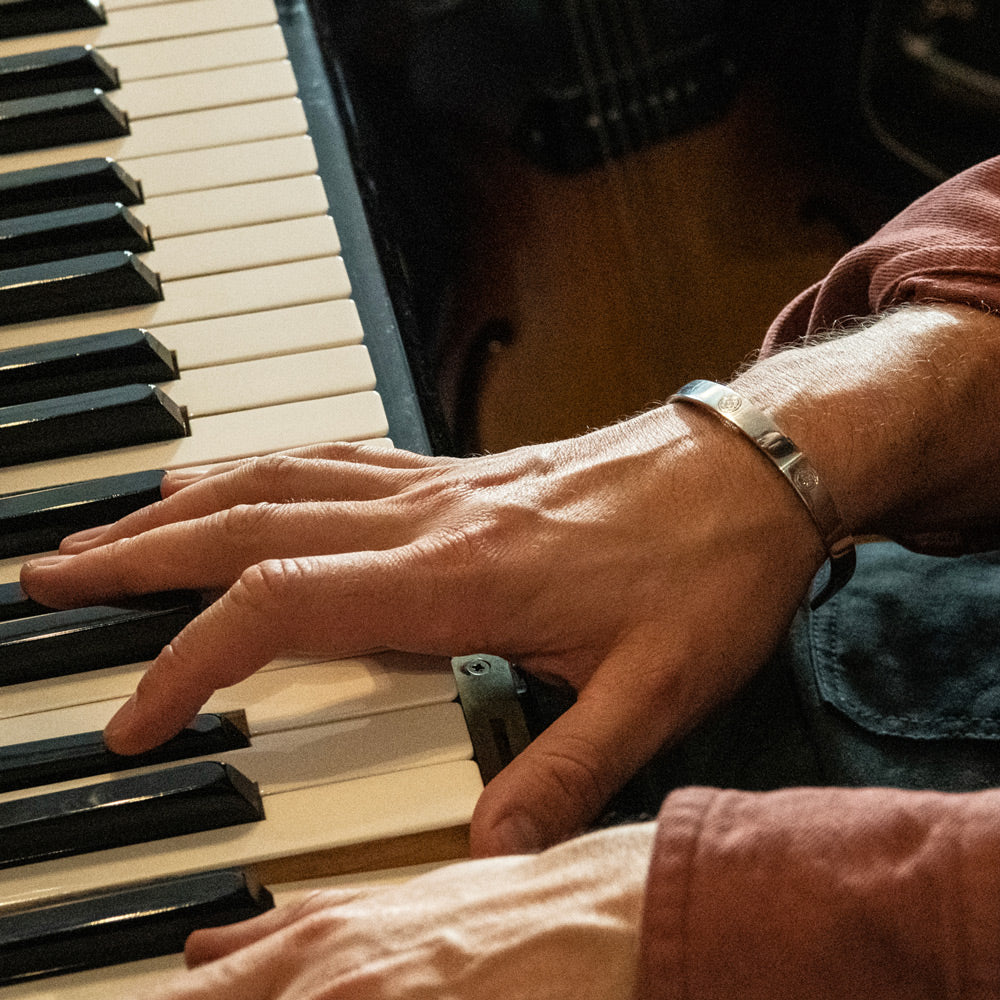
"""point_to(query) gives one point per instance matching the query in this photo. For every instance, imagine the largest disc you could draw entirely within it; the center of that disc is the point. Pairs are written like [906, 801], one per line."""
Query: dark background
[552, 274]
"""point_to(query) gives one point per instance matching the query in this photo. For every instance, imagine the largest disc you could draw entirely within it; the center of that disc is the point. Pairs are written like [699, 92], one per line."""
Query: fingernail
[518, 834]
[183, 477]
[45, 563]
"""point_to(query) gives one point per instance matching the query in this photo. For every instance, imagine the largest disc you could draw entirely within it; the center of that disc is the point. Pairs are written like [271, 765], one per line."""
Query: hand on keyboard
[497, 927]
[595, 562]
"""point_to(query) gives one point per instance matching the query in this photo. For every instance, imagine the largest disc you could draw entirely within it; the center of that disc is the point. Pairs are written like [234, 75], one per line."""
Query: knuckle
[263, 602]
[264, 584]
[316, 926]
[271, 474]
[243, 521]
[486, 538]
[469, 544]
[464, 555]
[461, 522]
[575, 774]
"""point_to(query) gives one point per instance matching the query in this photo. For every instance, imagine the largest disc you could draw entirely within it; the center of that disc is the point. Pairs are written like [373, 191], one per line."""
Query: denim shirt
[895, 681]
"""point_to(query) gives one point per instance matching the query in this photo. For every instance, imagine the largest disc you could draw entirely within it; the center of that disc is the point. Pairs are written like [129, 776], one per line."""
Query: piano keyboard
[277, 313]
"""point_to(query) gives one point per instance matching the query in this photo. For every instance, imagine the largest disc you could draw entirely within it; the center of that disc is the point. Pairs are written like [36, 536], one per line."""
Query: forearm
[898, 417]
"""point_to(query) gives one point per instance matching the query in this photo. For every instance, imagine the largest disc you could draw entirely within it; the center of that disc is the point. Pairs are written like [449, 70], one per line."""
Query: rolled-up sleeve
[823, 893]
[945, 247]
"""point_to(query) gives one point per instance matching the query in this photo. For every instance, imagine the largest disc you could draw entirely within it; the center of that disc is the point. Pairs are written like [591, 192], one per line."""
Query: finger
[273, 473]
[210, 553]
[214, 943]
[279, 478]
[272, 964]
[334, 605]
[557, 786]
[372, 455]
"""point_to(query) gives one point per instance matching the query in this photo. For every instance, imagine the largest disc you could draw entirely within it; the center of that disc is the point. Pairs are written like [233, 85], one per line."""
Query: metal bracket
[488, 694]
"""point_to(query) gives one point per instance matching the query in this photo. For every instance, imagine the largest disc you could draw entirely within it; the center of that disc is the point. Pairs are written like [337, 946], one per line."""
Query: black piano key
[83, 364]
[123, 811]
[69, 642]
[84, 284]
[63, 185]
[59, 120]
[15, 603]
[88, 421]
[71, 232]
[84, 755]
[75, 67]
[124, 925]
[36, 17]
[38, 520]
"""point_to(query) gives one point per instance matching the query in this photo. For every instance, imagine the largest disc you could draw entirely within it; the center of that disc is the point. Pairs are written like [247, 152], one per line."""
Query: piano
[220, 146]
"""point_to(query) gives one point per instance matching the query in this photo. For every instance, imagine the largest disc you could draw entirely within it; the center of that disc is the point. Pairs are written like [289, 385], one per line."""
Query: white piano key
[322, 818]
[246, 385]
[235, 293]
[309, 327]
[199, 169]
[291, 892]
[176, 133]
[246, 247]
[226, 208]
[170, 20]
[133, 979]
[287, 693]
[111, 5]
[10, 570]
[214, 88]
[285, 378]
[176, 57]
[220, 438]
[307, 756]
[85, 701]
[234, 248]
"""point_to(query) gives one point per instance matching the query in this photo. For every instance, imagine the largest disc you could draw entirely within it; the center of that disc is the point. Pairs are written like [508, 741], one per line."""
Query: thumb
[561, 781]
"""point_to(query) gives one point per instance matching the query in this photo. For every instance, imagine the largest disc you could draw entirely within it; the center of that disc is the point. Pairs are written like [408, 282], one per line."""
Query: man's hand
[560, 924]
[649, 567]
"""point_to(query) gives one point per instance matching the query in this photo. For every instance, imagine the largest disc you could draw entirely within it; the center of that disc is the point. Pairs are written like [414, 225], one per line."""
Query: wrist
[754, 521]
[762, 433]
[892, 415]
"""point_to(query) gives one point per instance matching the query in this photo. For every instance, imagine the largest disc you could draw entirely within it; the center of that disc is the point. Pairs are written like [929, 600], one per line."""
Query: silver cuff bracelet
[761, 430]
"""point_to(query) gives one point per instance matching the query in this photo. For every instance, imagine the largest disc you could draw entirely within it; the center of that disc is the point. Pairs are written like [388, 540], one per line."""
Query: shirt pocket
[911, 647]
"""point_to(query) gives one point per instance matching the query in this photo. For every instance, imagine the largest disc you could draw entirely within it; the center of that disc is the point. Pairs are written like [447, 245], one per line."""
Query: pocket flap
[911, 647]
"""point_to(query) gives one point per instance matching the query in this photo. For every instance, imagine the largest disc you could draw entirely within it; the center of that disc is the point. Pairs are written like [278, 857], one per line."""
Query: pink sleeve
[823, 893]
[944, 248]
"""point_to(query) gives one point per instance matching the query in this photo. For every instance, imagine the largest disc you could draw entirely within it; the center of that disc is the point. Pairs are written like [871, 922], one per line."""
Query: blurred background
[582, 204]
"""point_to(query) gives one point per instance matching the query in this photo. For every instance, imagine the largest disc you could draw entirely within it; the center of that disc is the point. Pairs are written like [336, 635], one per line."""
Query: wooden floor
[616, 286]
